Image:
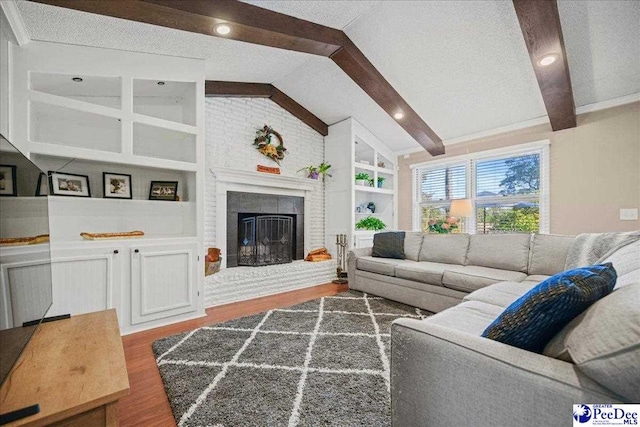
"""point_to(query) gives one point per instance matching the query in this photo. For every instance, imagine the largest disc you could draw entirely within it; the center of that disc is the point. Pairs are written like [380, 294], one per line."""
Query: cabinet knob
[116, 251]
[137, 250]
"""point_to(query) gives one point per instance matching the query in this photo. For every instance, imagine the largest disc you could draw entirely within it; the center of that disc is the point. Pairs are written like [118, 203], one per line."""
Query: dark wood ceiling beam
[540, 24]
[256, 25]
[264, 90]
[353, 62]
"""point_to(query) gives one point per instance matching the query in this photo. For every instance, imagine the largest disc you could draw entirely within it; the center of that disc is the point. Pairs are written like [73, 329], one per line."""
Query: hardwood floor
[147, 405]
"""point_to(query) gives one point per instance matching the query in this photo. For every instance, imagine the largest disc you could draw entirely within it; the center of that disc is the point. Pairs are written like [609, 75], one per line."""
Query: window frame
[470, 160]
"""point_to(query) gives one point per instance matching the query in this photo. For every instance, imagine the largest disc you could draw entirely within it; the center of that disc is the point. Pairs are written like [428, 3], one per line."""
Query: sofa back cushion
[389, 244]
[604, 342]
[412, 244]
[626, 261]
[503, 251]
[549, 253]
[444, 248]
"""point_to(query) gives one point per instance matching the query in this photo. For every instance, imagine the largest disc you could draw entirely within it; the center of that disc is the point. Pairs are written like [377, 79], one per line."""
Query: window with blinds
[506, 190]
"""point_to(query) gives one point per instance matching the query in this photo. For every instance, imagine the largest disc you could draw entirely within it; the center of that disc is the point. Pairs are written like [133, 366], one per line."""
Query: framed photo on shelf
[42, 189]
[8, 181]
[69, 184]
[163, 190]
[116, 185]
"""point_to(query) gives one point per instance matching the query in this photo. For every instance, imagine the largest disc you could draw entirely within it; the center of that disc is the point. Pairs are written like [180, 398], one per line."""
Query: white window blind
[509, 190]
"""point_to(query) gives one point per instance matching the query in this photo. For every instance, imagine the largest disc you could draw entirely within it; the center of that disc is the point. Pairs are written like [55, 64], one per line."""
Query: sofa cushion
[425, 272]
[502, 294]
[388, 245]
[384, 266]
[471, 317]
[549, 253]
[536, 278]
[502, 251]
[412, 244]
[470, 277]
[626, 261]
[444, 248]
[410, 284]
[604, 342]
[537, 316]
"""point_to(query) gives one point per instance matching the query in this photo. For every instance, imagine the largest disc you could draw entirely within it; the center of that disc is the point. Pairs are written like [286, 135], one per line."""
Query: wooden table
[74, 368]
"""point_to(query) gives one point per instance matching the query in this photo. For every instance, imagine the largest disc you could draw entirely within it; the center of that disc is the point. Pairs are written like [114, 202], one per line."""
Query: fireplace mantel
[260, 179]
[263, 183]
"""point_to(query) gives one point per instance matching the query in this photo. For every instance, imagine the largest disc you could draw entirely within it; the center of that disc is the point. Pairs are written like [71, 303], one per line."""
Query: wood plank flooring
[147, 405]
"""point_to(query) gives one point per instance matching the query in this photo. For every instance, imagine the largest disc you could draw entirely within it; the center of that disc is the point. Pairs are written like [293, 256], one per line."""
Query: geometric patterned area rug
[322, 362]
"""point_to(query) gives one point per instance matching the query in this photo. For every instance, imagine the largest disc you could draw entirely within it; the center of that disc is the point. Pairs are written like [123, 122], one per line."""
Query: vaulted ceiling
[462, 66]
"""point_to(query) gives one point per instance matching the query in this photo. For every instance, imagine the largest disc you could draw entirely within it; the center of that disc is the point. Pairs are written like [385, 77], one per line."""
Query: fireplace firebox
[265, 239]
[264, 229]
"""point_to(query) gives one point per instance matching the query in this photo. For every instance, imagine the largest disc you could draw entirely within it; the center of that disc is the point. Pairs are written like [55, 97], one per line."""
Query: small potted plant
[381, 180]
[370, 223]
[314, 172]
[362, 178]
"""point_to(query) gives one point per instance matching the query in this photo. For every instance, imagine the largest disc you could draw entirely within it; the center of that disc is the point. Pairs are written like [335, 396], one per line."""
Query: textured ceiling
[226, 59]
[334, 13]
[463, 66]
[325, 89]
[602, 40]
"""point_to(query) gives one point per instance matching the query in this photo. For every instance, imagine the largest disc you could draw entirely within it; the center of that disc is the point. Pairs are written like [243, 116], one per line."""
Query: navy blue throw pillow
[535, 318]
[388, 245]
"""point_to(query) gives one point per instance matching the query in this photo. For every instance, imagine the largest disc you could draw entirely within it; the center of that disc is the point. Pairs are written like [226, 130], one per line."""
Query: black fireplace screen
[265, 240]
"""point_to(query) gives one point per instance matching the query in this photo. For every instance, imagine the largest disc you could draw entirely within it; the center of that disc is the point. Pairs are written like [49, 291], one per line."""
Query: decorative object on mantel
[316, 255]
[370, 223]
[314, 172]
[362, 178]
[341, 269]
[263, 143]
[108, 236]
[18, 241]
[443, 226]
[269, 169]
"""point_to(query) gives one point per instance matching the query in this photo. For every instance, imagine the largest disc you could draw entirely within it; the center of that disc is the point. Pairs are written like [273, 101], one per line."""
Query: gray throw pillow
[388, 245]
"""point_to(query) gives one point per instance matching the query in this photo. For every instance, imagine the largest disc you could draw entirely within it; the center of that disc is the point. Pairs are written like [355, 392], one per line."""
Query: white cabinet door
[163, 281]
[86, 280]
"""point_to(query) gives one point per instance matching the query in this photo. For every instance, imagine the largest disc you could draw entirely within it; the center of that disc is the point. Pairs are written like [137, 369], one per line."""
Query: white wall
[230, 128]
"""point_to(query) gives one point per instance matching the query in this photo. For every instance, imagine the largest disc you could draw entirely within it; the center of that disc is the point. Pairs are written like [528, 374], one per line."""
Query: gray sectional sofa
[440, 270]
[443, 373]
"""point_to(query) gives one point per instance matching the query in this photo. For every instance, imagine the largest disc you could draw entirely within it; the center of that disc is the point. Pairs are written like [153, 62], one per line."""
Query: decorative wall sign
[68, 184]
[264, 145]
[8, 181]
[116, 185]
[268, 169]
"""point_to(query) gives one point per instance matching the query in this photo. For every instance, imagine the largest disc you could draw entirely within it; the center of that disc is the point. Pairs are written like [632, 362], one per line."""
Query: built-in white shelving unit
[86, 111]
[351, 149]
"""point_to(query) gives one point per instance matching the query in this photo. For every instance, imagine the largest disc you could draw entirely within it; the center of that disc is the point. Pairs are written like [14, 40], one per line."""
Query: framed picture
[116, 185]
[163, 190]
[8, 181]
[68, 184]
[42, 189]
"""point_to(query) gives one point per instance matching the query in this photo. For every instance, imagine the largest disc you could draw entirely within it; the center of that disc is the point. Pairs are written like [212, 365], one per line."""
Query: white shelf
[74, 104]
[165, 124]
[373, 190]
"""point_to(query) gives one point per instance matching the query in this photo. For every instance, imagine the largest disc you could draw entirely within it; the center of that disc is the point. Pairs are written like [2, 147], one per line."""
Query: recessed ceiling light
[547, 60]
[77, 79]
[222, 29]
[398, 116]
[160, 83]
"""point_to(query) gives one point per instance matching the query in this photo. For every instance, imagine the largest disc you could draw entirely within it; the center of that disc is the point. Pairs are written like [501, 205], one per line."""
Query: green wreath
[263, 144]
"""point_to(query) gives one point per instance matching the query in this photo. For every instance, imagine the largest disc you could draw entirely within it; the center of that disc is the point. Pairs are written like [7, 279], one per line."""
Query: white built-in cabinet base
[149, 282]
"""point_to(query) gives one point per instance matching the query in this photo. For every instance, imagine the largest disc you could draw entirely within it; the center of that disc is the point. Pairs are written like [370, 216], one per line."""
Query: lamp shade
[461, 208]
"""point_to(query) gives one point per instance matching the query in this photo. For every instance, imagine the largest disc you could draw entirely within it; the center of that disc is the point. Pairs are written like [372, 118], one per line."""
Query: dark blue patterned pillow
[533, 319]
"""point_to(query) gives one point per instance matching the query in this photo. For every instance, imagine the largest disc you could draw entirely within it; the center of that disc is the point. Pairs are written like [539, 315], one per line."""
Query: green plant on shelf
[381, 180]
[362, 176]
[370, 223]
